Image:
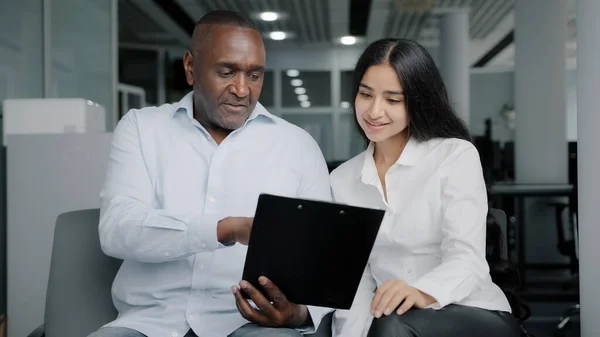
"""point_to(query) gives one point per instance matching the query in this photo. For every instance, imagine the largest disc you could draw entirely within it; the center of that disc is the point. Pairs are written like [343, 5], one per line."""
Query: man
[181, 190]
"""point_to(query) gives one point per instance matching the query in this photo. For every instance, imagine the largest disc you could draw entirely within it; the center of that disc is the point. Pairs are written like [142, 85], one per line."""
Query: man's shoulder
[151, 113]
[291, 132]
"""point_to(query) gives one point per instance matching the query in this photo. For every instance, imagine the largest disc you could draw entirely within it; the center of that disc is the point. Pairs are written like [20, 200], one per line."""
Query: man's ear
[188, 66]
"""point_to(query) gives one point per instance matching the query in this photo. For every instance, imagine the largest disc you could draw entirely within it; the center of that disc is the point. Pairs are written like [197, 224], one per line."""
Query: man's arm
[131, 224]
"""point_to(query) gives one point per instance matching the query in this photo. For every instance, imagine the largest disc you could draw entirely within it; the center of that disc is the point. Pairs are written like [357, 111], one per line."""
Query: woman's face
[379, 104]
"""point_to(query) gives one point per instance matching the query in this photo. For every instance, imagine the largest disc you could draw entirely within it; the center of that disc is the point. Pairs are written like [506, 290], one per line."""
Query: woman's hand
[393, 292]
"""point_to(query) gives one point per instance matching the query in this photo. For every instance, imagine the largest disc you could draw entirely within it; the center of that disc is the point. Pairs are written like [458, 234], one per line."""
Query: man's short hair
[226, 17]
[222, 17]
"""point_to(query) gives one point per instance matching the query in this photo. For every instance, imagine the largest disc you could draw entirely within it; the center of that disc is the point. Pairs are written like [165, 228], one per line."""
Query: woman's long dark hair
[429, 109]
[431, 116]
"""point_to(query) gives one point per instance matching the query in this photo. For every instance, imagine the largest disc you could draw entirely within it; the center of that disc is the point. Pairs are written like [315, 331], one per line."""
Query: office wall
[490, 91]
[81, 39]
[21, 76]
[47, 175]
[571, 79]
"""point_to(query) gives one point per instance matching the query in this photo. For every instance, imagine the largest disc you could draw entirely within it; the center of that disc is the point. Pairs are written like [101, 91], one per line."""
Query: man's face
[226, 71]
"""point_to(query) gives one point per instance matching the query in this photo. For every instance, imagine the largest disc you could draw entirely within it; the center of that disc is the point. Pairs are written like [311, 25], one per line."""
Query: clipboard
[314, 251]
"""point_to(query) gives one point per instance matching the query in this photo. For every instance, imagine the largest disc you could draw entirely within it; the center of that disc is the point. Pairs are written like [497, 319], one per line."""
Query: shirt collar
[186, 104]
[411, 155]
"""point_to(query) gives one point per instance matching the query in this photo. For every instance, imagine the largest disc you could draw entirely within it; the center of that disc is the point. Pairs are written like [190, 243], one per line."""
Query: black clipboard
[314, 251]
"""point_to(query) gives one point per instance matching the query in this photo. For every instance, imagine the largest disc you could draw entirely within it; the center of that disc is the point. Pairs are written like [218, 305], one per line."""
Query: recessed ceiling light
[277, 35]
[303, 98]
[348, 40]
[345, 105]
[292, 72]
[300, 91]
[296, 82]
[305, 104]
[269, 16]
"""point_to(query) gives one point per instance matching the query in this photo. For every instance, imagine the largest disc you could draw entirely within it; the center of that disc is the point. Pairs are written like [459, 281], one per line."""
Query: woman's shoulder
[447, 149]
[350, 169]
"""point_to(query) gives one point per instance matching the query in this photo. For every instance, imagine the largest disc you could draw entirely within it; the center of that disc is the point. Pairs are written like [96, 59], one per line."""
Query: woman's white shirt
[433, 235]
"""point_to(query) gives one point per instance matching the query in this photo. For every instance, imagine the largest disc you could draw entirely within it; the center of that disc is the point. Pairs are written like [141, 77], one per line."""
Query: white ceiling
[322, 22]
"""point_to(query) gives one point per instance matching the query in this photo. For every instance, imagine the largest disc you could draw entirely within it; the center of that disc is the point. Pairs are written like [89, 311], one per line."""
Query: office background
[124, 54]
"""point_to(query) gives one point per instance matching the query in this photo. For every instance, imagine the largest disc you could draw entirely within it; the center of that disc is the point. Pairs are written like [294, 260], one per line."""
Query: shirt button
[203, 245]
[191, 317]
[211, 199]
[167, 253]
[201, 267]
[174, 334]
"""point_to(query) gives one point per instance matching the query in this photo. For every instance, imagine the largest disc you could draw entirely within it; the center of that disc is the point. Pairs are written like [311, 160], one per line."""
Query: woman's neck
[388, 151]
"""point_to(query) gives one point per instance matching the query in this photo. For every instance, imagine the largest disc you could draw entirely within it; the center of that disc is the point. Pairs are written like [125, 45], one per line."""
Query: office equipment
[51, 116]
[314, 251]
[47, 175]
[520, 192]
[78, 300]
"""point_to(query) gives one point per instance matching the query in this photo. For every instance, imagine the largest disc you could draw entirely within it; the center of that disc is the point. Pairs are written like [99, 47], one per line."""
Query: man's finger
[246, 310]
[273, 291]
[260, 300]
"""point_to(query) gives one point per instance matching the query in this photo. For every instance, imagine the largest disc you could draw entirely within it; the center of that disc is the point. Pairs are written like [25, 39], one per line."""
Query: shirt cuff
[202, 231]
[433, 289]
[316, 315]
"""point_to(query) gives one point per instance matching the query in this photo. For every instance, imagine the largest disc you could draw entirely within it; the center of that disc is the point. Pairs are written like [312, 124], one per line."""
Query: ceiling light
[303, 98]
[292, 72]
[296, 82]
[345, 105]
[348, 40]
[269, 16]
[277, 35]
[305, 104]
[300, 91]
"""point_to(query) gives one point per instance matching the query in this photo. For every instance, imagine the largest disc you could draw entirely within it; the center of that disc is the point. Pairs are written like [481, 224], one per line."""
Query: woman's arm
[464, 202]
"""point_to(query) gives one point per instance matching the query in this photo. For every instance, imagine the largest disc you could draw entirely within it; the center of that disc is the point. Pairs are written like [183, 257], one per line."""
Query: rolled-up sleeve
[131, 224]
[464, 199]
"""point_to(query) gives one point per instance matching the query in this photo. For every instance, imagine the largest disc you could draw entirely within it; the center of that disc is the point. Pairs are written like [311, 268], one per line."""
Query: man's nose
[239, 86]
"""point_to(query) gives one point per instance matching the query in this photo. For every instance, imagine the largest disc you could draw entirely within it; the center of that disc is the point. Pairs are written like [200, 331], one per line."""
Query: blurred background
[70, 69]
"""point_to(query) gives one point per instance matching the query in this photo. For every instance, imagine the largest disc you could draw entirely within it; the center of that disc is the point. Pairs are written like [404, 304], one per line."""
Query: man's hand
[393, 292]
[276, 312]
[234, 229]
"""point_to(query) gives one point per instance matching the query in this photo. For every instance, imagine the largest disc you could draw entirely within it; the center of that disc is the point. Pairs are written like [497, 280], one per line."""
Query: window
[267, 95]
[318, 125]
[304, 89]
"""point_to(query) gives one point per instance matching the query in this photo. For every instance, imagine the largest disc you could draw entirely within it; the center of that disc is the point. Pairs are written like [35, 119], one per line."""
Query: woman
[427, 275]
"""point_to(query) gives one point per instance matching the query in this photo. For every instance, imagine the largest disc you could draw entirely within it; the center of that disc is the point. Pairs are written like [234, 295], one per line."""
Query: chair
[78, 299]
[500, 217]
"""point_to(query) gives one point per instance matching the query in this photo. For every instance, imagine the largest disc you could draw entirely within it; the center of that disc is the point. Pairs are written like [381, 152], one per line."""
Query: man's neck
[217, 133]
